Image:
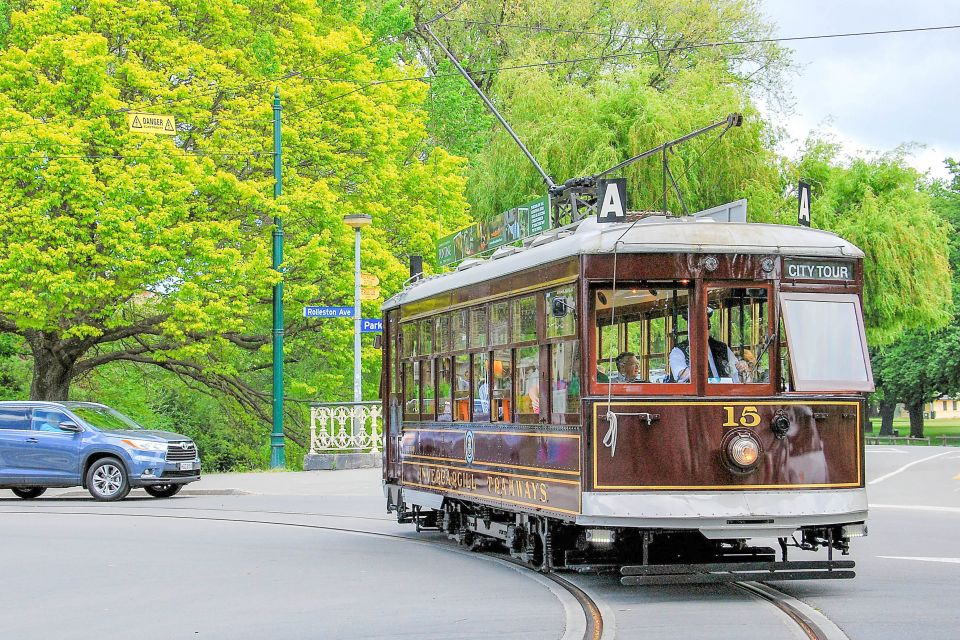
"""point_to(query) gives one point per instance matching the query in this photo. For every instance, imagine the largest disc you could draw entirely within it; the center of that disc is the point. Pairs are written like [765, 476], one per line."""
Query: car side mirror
[70, 426]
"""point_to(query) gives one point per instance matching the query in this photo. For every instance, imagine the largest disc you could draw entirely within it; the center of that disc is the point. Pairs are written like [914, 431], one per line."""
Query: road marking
[907, 466]
[901, 452]
[947, 560]
[915, 507]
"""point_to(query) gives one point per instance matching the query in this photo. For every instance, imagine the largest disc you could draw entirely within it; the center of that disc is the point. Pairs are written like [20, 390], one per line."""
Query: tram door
[393, 414]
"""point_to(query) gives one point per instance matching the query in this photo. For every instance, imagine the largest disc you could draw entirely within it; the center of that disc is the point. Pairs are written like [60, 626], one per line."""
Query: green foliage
[880, 204]
[14, 368]
[630, 94]
[118, 246]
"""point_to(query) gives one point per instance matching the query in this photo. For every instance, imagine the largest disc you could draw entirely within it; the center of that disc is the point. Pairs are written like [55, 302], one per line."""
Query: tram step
[736, 572]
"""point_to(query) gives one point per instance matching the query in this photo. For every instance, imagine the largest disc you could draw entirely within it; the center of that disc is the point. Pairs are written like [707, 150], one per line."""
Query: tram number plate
[186, 466]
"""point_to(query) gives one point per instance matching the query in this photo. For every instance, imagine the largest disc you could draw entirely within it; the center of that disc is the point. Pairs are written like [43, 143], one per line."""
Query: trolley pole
[277, 460]
[358, 222]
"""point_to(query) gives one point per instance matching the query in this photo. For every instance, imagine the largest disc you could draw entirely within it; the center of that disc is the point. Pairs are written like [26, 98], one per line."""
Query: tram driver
[723, 364]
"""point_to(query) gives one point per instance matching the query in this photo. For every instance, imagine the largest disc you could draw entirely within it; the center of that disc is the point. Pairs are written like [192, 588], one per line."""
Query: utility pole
[277, 460]
[358, 222]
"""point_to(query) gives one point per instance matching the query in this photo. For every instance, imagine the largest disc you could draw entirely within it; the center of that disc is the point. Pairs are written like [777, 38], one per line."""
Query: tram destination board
[794, 269]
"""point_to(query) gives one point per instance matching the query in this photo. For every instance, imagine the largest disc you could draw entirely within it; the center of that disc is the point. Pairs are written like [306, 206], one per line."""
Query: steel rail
[591, 610]
[810, 628]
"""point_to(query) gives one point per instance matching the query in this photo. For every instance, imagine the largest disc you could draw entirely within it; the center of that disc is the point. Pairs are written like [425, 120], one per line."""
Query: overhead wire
[546, 63]
[609, 34]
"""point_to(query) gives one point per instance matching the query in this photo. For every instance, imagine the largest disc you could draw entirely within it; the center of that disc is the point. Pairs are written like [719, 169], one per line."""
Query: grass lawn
[931, 428]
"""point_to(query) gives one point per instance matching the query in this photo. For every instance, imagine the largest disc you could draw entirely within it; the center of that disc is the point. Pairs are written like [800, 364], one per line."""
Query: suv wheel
[163, 490]
[29, 493]
[107, 481]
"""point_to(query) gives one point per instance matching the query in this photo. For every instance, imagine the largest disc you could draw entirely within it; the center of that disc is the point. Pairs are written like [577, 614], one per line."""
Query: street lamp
[358, 221]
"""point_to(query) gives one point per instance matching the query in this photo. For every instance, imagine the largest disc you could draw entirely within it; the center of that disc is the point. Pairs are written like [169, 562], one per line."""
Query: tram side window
[481, 388]
[444, 390]
[525, 319]
[502, 383]
[637, 326]
[411, 389]
[478, 327]
[561, 313]
[499, 324]
[527, 385]
[458, 330]
[428, 390]
[564, 380]
[442, 329]
[739, 337]
[461, 388]
[409, 333]
[425, 347]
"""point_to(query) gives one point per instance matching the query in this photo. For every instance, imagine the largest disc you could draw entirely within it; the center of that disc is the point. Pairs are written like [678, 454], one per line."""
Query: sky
[873, 93]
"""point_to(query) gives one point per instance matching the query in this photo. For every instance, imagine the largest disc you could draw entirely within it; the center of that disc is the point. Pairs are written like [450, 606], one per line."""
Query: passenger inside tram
[642, 334]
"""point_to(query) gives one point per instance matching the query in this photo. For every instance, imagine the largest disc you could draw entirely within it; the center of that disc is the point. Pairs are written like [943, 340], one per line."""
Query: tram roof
[656, 234]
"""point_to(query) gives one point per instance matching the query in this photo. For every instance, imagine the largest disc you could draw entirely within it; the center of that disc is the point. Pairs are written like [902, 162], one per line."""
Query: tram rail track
[812, 628]
[593, 618]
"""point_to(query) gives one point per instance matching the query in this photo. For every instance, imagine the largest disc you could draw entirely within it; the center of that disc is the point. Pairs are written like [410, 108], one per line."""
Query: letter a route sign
[152, 123]
[612, 200]
[803, 204]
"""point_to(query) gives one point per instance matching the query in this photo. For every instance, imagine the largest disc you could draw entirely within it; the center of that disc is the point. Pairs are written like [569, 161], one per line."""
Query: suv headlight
[145, 445]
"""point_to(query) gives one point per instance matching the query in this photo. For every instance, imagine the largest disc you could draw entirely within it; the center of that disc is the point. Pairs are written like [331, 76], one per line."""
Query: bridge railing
[338, 427]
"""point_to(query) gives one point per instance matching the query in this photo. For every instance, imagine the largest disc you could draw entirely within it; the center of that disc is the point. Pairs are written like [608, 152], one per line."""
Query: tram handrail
[346, 427]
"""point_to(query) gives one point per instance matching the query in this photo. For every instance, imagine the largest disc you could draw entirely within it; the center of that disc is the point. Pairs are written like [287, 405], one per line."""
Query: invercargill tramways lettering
[479, 483]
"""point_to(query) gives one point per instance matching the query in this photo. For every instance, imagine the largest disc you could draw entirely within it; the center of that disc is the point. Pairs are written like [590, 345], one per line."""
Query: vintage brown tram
[656, 396]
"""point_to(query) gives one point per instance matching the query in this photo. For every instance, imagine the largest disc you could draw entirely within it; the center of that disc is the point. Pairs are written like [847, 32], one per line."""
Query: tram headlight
[741, 451]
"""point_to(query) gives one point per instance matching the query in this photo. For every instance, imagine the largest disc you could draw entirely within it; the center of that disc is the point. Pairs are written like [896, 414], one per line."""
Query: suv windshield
[104, 418]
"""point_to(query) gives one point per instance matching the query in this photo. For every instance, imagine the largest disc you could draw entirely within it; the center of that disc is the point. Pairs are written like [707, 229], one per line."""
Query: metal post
[276, 437]
[357, 394]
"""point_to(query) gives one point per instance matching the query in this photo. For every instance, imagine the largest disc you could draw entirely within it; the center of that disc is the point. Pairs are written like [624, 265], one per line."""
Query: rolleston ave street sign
[371, 325]
[328, 312]
[152, 123]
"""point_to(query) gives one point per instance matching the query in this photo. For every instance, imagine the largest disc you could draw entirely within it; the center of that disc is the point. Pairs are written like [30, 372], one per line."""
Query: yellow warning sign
[369, 294]
[152, 123]
[369, 280]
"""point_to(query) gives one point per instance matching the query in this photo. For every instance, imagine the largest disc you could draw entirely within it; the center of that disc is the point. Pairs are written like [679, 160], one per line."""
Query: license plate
[186, 466]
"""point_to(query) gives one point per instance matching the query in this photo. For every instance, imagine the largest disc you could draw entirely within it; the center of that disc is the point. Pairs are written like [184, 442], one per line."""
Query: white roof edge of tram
[655, 234]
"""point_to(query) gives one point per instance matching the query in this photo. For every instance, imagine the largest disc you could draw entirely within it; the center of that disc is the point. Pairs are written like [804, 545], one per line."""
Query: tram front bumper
[720, 515]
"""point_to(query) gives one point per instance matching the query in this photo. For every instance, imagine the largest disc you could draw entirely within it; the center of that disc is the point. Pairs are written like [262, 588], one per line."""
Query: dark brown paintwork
[523, 467]
[679, 452]
[681, 449]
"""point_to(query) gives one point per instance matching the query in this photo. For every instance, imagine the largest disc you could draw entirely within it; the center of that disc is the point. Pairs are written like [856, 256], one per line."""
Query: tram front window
[638, 325]
[740, 336]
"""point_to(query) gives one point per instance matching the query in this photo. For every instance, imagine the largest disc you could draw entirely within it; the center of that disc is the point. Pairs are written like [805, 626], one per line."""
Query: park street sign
[152, 123]
[371, 325]
[328, 312]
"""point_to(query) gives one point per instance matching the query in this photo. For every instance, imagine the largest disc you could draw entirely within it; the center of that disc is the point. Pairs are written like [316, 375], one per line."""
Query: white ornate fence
[346, 426]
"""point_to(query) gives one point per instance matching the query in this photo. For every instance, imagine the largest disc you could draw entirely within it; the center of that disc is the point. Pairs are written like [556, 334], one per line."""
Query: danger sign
[152, 123]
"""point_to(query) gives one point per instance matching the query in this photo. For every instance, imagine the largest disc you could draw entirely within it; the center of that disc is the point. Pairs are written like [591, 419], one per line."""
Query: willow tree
[882, 205]
[622, 77]
[116, 246]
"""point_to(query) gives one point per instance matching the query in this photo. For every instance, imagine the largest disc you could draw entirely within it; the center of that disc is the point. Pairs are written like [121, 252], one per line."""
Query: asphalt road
[270, 555]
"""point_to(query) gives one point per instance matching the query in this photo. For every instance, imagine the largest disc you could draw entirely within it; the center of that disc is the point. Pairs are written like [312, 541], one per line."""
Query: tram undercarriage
[640, 556]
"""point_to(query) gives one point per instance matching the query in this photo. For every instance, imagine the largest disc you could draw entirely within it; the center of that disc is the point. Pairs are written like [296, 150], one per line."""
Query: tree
[644, 74]
[155, 250]
[882, 205]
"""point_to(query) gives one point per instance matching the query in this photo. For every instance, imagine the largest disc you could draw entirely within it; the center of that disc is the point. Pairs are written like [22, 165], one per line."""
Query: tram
[675, 398]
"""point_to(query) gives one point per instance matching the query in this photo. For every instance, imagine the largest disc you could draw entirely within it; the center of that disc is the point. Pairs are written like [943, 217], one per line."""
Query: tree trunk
[887, 410]
[916, 419]
[52, 369]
